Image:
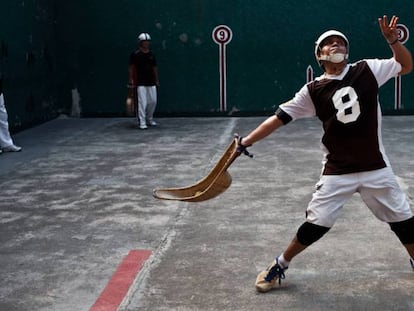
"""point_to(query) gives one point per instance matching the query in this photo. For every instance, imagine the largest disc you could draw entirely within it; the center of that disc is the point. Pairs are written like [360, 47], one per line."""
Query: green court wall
[28, 42]
[50, 48]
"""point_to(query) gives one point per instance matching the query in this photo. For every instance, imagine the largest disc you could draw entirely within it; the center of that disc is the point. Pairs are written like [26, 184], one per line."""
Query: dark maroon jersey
[144, 64]
[348, 108]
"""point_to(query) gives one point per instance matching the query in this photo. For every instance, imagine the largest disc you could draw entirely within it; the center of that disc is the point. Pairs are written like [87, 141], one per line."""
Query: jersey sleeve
[300, 106]
[384, 69]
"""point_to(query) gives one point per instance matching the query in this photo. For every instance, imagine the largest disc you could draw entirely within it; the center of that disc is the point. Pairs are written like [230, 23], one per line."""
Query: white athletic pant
[379, 190]
[5, 139]
[147, 101]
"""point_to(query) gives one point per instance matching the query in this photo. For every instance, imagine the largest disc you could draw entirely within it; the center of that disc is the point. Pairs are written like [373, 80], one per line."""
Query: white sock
[283, 262]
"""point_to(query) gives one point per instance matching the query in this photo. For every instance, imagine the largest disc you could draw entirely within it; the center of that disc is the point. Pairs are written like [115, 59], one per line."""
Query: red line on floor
[120, 282]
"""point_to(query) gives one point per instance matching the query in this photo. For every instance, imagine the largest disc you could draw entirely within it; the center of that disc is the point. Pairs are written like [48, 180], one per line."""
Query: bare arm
[157, 82]
[132, 75]
[266, 128]
[400, 52]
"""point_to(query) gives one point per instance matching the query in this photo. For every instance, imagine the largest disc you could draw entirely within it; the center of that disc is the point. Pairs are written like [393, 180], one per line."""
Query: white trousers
[379, 190]
[147, 101]
[5, 139]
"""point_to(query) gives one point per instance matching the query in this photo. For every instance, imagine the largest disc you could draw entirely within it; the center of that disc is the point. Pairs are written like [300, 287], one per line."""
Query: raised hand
[389, 29]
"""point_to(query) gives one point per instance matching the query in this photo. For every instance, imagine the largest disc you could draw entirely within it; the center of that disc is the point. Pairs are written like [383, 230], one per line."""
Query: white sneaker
[143, 127]
[12, 148]
[266, 280]
[153, 123]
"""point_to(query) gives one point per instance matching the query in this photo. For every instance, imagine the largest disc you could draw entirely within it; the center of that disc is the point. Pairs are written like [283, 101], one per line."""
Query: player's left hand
[389, 29]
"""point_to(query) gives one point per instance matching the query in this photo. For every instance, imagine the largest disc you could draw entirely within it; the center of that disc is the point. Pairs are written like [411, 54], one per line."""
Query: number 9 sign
[222, 34]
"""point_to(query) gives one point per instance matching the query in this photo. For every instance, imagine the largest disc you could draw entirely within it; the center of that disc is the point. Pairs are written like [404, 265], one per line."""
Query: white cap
[144, 37]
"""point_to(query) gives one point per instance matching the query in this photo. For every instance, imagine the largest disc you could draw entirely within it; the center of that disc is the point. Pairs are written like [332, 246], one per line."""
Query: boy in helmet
[345, 99]
[143, 74]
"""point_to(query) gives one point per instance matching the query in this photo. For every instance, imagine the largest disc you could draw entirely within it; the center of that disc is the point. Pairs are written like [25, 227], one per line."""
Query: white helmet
[335, 58]
[144, 37]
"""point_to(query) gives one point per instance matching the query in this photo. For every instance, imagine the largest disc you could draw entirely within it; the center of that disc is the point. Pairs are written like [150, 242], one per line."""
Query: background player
[345, 99]
[143, 73]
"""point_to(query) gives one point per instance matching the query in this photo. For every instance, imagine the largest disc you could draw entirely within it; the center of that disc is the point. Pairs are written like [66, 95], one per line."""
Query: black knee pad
[309, 233]
[404, 230]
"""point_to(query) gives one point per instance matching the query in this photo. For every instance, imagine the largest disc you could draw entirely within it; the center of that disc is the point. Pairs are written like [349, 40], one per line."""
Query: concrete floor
[78, 198]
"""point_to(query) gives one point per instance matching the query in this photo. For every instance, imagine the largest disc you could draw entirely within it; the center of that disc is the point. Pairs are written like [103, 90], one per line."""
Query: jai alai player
[345, 99]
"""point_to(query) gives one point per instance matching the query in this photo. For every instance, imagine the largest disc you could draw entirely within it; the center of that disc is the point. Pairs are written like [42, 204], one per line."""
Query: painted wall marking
[222, 35]
[403, 33]
[309, 74]
[403, 36]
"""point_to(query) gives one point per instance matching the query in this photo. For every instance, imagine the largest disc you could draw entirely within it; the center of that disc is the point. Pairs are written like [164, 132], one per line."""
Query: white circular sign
[403, 33]
[222, 34]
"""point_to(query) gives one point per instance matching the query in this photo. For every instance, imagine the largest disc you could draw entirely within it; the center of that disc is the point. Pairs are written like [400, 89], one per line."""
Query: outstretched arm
[266, 128]
[401, 53]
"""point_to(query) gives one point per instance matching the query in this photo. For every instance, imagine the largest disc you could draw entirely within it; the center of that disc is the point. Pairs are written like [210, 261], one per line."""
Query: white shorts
[379, 190]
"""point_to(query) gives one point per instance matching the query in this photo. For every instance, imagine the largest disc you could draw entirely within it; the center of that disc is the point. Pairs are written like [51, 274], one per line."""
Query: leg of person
[321, 214]
[142, 106]
[6, 142]
[405, 233]
[152, 103]
[307, 234]
[388, 202]
[410, 249]
[136, 106]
